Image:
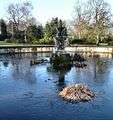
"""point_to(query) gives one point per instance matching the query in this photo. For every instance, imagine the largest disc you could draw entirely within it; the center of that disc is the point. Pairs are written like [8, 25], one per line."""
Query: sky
[44, 10]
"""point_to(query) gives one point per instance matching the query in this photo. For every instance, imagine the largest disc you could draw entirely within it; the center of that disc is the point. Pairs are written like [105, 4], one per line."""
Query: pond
[31, 92]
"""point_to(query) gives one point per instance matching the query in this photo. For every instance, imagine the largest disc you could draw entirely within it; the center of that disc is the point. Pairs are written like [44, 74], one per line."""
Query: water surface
[31, 92]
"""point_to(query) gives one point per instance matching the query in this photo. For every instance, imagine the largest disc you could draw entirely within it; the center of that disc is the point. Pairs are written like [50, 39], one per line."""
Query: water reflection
[6, 63]
[21, 69]
[100, 68]
[31, 92]
[20, 66]
[102, 55]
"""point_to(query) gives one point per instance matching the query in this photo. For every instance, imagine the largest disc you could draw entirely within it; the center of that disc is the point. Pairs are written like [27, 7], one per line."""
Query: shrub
[11, 41]
[46, 41]
[78, 41]
[110, 43]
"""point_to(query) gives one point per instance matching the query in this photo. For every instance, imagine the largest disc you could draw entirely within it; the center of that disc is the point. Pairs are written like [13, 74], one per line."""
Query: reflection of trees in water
[61, 82]
[100, 68]
[20, 64]
[97, 69]
[61, 75]
[4, 59]
[62, 72]
[6, 63]
[61, 79]
[21, 69]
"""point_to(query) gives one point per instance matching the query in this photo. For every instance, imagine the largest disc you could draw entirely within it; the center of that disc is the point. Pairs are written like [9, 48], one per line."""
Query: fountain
[61, 39]
[62, 62]
[60, 57]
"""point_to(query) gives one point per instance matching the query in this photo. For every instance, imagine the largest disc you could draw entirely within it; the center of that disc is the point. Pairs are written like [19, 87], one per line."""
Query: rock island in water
[77, 92]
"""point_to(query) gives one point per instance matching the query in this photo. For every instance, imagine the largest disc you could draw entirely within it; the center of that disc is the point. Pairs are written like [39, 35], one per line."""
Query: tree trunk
[97, 42]
[12, 31]
[25, 37]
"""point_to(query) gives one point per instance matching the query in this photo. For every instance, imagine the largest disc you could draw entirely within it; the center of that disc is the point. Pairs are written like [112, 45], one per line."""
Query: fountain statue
[60, 57]
[61, 38]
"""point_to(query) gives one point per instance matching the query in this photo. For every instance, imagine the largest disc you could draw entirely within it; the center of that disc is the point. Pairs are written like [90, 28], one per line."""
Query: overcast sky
[44, 10]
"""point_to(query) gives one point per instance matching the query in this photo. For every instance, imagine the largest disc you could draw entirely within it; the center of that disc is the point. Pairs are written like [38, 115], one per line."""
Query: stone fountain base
[77, 92]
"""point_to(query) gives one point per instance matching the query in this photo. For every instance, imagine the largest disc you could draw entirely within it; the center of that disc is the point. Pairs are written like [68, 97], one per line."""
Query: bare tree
[92, 21]
[81, 18]
[100, 18]
[19, 15]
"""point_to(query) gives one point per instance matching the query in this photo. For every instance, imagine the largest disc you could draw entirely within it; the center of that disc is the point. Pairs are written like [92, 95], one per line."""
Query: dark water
[31, 92]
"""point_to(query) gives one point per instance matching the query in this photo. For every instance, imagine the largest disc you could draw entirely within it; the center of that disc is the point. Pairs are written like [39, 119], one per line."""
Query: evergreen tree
[55, 29]
[3, 27]
[34, 33]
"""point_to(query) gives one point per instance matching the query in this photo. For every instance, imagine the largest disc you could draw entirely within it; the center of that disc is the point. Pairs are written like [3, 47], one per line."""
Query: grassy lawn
[4, 43]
